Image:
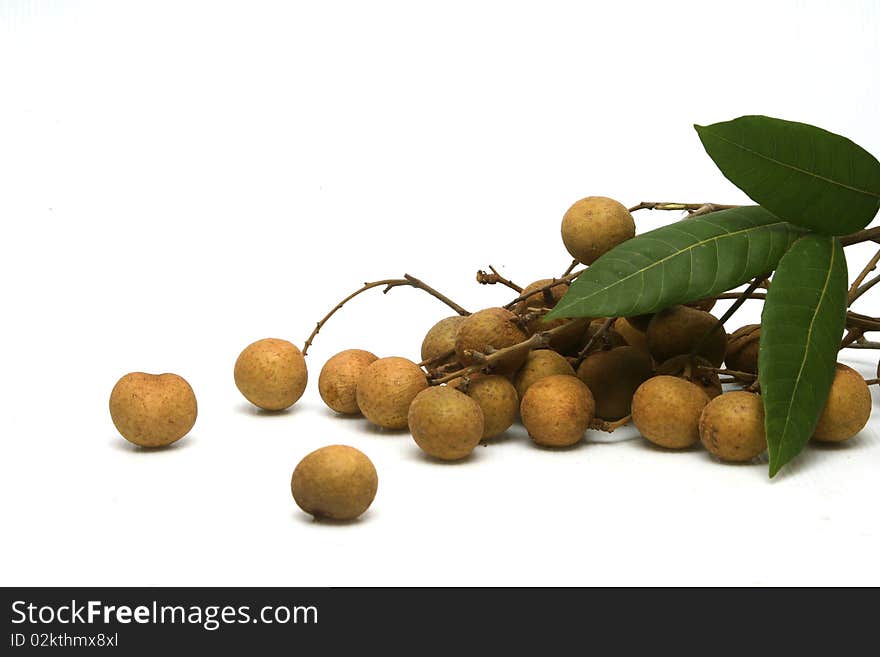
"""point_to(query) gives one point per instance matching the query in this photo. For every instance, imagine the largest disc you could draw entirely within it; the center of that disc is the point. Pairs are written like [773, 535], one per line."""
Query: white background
[180, 179]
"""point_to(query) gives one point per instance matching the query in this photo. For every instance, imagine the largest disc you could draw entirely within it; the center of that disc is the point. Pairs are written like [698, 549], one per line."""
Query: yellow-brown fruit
[337, 383]
[848, 408]
[695, 369]
[732, 426]
[337, 482]
[490, 330]
[445, 423]
[666, 410]
[564, 339]
[608, 340]
[386, 389]
[153, 410]
[271, 374]
[640, 322]
[595, 225]
[613, 377]
[497, 397]
[545, 299]
[630, 334]
[679, 329]
[557, 410]
[440, 340]
[540, 363]
[742, 349]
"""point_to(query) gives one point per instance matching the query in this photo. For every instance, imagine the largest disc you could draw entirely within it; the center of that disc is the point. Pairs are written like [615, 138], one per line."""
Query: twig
[864, 288]
[566, 280]
[741, 299]
[574, 263]
[692, 208]
[485, 278]
[604, 425]
[744, 377]
[541, 339]
[867, 235]
[872, 382]
[864, 345]
[388, 284]
[439, 358]
[582, 354]
[871, 266]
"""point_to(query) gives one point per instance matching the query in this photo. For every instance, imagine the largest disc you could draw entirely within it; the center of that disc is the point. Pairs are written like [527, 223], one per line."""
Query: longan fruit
[440, 340]
[848, 408]
[337, 383]
[271, 374]
[153, 410]
[546, 299]
[732, 426]
[608, 340]
[613, 377]
[630, 334]
[742, 349]
[540, 363]
[557, 410]
[337, 482]
[489, 330]
[595, 225]
[497, 397]
[679, 329]
[666, 410]
[445, 423]
[386, 388]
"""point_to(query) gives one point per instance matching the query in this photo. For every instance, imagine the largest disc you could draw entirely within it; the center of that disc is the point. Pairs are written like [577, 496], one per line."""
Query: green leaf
[801, 327]
[801, 173]
[685, 261]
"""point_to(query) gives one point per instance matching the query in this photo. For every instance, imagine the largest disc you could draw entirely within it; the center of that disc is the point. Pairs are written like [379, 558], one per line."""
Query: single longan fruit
[848, 408]
[153, 410]
[497, 397]
[440, 340]
[445, 423]
[557, 410]
[613, 377]
[666, 410]
[271, 374]
[732, 426]
[490, 330]
[595, 225]
[630, 334]
[679, 329]
[540, 363]
[337, 383]
[742, 349]
[337, 482]
[386, 388]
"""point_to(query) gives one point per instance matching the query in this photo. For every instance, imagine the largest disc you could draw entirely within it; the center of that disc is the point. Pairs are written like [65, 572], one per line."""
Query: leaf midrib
[799, 377]
[796, 168]
[678, 253]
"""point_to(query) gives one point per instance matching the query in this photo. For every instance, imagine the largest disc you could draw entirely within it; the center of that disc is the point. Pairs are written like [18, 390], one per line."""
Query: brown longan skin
[271, 374]
[497, 398]
[848, 408]
[557, 410]
[386, 388]
[595, 225]
[337, 383]
[742, 349]
[666, 410]
[732, 426]
[440, 340]
[337, 482]
[153, 410]
[631, 335]
[613, 377]
[489, 330]
[540, 363]
[445, 423]
[679, 329]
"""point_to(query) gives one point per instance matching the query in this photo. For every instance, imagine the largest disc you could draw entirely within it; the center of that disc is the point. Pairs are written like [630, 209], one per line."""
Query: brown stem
[541, 339]
[864, 288]
[864, 345]
[604, 425]
[741, 299]
[437, 359]
[574, 263]
[582, 354]
[871, 266]
[692, 208]
[867, 235]
[388, 284]
[553, 283]
[872, 382]
[744, 377]
[485, 278]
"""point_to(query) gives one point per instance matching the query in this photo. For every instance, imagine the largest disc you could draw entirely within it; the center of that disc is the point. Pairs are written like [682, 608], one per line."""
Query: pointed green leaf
[801, 173]
[801, 327]
[685, 261]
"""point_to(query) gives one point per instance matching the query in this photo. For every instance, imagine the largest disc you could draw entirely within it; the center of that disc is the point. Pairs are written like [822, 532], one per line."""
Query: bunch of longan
[480, 372]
